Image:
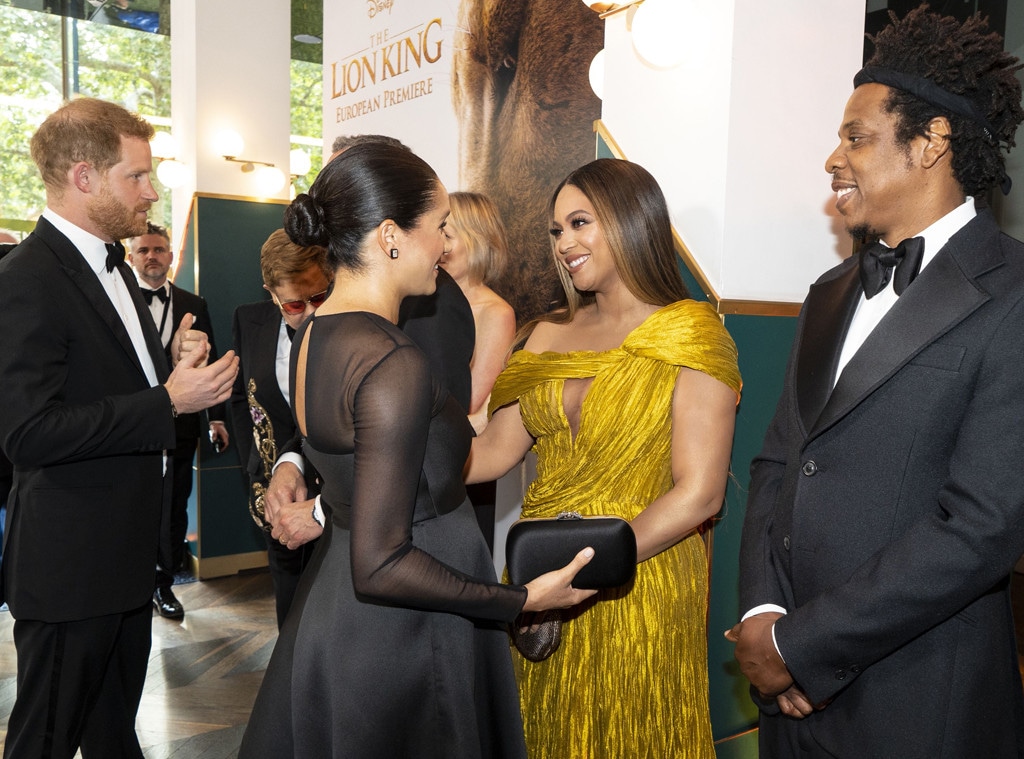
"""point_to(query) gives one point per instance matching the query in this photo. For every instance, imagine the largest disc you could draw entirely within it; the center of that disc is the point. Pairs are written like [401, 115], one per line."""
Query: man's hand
[294, 524]
[193, 387]
[187, 340]
[219, 432]
[756, 654]
[287, 486]
[794, 703]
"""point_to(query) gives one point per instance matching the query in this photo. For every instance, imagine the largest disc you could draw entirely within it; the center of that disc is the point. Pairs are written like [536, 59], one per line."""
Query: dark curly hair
[966, 59]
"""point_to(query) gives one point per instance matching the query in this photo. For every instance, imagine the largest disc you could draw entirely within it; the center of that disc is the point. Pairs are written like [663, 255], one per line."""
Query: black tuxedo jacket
[255, 329]
[85, 433]
[886, 514]
[191, 426]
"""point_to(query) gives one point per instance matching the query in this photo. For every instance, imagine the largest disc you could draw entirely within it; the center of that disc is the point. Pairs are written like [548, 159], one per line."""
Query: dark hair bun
[304, 222]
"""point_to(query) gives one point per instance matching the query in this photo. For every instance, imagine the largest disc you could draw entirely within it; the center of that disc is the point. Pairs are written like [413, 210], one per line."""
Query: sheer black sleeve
[384, 415]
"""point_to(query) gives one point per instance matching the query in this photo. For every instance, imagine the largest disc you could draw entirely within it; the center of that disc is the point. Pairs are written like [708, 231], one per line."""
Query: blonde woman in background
[475, 257]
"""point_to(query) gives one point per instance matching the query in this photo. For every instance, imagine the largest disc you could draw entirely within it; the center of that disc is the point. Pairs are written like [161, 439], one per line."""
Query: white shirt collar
[89, 245]
[938, 234]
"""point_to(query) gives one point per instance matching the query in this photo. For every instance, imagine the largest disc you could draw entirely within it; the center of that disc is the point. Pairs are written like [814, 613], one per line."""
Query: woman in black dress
[395, 645]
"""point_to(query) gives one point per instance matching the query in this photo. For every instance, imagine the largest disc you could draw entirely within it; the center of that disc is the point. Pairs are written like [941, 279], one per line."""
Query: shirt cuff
[318, 511]
[763, 608]
[292, 458]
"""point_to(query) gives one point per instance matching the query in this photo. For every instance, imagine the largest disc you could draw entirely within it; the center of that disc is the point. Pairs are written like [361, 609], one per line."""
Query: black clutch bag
[536, 546]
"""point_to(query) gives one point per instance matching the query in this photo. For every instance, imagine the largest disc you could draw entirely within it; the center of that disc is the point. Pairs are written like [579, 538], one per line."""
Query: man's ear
[82, 176]
[938, 145]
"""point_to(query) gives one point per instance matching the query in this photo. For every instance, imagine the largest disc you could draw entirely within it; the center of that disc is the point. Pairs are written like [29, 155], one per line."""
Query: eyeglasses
[296, 307]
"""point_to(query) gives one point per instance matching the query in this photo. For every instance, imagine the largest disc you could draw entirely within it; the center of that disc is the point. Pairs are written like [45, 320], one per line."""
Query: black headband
[931, 93]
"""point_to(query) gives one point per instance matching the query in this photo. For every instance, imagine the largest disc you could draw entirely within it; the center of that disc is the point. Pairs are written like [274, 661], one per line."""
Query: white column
[229, 70]
[737, 134]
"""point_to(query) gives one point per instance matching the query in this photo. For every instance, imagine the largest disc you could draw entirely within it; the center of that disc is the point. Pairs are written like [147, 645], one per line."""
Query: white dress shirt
[95, 252]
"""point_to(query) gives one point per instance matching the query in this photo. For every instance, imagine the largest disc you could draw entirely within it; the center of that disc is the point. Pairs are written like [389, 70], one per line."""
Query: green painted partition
[220, 260]
[763, 343]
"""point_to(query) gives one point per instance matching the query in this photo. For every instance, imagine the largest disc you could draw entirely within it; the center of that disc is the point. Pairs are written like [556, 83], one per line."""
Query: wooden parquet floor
[204, 671]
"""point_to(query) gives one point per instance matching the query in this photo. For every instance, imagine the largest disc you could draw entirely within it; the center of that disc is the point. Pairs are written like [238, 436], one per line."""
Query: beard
[115, 219]
[862, 232]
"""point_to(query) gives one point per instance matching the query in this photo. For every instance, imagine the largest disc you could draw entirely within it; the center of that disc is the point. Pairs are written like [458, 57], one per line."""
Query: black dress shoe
[166, 604]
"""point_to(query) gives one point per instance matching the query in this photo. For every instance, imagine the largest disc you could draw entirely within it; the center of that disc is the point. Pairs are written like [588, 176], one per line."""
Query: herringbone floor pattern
[204, 671]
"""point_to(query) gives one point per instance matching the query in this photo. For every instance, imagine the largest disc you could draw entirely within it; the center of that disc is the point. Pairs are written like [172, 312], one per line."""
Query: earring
[394, 252]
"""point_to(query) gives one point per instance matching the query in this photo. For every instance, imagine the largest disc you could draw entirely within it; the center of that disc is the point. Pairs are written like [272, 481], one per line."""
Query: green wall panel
[220, 260]
[763, 343]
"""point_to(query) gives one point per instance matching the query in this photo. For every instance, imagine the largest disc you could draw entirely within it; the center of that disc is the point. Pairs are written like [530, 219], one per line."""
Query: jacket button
[809, 468]
[840, 675]
[785, 542]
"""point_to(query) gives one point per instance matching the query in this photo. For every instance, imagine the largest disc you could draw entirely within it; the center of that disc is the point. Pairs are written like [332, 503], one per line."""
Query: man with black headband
[886, 508]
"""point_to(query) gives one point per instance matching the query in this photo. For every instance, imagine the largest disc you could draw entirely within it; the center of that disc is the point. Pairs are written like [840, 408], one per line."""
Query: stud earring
[394, 252]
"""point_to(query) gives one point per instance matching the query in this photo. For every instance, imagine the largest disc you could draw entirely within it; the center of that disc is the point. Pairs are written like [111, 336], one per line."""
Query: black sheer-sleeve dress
[393, 647]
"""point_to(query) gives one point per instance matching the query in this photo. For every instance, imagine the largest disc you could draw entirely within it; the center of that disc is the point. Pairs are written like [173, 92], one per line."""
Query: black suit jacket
[85, 433]
[441, 324]
[191, 426]
[886, 514]
[266, 413]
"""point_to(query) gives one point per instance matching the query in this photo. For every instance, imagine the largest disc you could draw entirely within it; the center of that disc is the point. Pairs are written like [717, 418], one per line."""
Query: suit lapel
[77, 269]
[154, 344]
[265, 344]
[944, 294]
[829, 309]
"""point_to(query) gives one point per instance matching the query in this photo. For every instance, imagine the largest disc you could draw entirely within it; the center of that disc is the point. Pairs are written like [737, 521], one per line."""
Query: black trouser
[79, 684]
[181, 464]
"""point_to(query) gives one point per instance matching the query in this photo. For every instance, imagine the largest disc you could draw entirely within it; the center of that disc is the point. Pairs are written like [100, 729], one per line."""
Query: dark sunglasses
[296, 307]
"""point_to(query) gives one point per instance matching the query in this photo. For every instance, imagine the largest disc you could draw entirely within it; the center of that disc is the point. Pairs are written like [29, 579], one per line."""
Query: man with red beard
[88, 421]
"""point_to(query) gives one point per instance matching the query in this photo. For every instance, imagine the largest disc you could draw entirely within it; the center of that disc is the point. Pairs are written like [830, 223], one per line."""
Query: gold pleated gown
[630, 678]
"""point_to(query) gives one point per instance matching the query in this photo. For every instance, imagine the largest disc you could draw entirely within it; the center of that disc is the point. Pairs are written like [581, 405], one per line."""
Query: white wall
[737, 135]
[229, 69]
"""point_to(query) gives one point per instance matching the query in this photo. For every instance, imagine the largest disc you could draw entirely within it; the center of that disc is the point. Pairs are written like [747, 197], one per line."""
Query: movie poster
[495, 96]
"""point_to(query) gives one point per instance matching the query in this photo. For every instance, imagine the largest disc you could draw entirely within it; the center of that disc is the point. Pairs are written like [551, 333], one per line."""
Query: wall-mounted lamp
[603, 7]
[659, 32]
[269, 179]
[171, 172]
[658, 28]
[299, 163]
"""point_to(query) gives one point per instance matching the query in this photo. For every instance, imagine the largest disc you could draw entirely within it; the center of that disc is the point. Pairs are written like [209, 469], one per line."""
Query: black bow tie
[877, 263]
[115, 254]
[160, 293]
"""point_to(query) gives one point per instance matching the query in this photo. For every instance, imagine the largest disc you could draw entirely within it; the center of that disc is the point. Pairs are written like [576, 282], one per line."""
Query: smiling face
[421, 248]
[877, 181]
[120, 205]
[580, 244]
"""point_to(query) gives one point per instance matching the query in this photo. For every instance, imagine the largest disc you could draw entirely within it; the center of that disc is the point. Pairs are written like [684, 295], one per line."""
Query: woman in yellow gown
[628, 397]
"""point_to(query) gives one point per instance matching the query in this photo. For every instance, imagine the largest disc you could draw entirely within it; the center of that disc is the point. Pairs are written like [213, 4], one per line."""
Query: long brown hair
[631, 209]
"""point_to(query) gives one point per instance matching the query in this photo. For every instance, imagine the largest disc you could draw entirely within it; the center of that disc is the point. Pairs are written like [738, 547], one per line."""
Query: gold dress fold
[630, 678]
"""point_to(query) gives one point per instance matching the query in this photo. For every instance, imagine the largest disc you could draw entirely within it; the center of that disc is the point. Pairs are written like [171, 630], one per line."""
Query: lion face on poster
[522, 97]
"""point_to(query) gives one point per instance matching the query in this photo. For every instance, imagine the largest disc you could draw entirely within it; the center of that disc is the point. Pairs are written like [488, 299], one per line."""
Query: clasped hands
[286, 507]
[762, 665]
[195, 384]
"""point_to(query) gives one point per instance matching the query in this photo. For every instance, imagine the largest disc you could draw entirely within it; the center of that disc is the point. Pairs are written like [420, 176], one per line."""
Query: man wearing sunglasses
[297, 279]
[150, 256]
